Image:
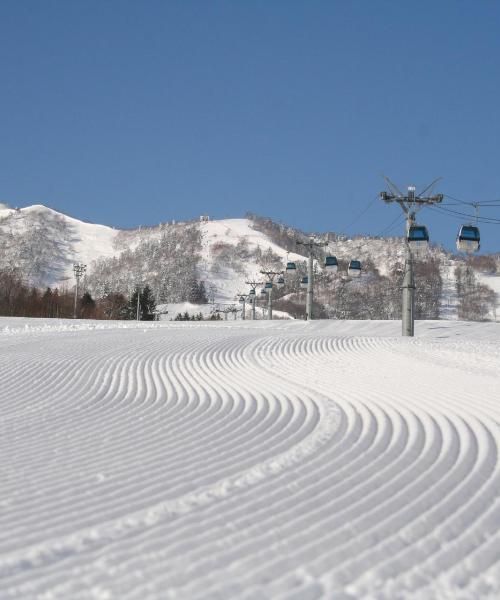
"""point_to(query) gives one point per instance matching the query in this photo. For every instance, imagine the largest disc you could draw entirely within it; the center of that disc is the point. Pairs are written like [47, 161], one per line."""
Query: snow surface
[283, 459]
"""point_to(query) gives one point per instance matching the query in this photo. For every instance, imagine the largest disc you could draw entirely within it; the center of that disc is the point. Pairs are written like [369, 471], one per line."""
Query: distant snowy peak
[44, 243]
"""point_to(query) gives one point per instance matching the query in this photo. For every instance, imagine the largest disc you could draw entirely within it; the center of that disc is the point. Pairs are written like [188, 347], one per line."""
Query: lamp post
[79, 270]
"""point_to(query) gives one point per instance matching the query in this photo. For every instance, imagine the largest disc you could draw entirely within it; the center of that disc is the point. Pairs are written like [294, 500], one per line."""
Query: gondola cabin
[304, 282]
[417, 237]
[269, 286]
[331, 264]
[280, 283]
[263, 292]
[251, 292]
[291, 268]
[468, 239]
[354, 268]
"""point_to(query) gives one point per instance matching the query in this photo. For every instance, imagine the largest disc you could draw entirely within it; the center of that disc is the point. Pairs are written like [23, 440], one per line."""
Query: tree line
[20, 300]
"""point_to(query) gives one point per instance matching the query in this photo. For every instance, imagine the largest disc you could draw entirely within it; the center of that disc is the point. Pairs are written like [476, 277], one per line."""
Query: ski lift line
[456, 199]
[356, 219]
[391, 225]
[484, 220]
[461, 215]
[395, 226]
[482, 203]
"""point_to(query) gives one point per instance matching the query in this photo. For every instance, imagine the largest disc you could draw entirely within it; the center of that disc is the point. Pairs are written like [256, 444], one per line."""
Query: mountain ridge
[43, 244]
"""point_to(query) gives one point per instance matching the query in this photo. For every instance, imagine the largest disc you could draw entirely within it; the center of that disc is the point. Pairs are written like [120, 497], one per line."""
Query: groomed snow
[250, 460]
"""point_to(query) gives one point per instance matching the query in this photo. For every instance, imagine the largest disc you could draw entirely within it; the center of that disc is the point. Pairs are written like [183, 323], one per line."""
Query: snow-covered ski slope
[249, 460]
[231, 231]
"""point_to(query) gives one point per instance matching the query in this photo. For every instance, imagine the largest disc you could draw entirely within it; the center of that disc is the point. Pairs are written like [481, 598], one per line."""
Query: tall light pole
[79, 271]
[270, 276]
[310, 245]
[137, 315]
[410, 204]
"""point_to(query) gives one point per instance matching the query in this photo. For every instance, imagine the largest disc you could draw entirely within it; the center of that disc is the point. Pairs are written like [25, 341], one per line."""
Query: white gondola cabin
[354, 268]
[304, 282]
[252, 292]
[468, 238]
[269, 286]
[280, 282]
[291, 268]
[331, 264]
[417, 237]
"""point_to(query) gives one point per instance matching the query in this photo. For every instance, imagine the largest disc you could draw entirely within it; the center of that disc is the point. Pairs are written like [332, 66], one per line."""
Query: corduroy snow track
[250, 460]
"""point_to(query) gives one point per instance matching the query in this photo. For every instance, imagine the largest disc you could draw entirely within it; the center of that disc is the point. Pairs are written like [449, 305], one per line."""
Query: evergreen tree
[202, 293]
[147, 305]
[47, 303]
[87, 306]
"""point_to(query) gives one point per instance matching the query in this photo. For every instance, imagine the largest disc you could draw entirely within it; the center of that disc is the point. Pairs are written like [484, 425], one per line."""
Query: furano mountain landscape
[41, 246]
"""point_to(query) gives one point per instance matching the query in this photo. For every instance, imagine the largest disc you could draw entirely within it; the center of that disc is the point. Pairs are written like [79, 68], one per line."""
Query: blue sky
[130, 113]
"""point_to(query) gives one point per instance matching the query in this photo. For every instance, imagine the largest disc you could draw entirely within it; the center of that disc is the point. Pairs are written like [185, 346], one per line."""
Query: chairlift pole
[310, 245]
[408, 300]
[270, 275]
[409, 204]
[243, 299]
[253, 285]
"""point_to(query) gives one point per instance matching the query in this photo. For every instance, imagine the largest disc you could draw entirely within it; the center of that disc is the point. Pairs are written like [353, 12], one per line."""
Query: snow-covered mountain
[43, 244]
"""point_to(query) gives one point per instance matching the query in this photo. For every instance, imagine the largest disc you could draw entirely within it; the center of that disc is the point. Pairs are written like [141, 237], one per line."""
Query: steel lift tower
[410, 204]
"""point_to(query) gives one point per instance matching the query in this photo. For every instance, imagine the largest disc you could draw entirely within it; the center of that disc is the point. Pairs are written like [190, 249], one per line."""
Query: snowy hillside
[49, 242]
[37, 232]
[42, 245]
[232, 232]
[230, 460]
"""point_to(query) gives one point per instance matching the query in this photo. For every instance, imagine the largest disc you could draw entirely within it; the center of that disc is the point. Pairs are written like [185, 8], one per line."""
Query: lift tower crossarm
[253, 285]
[243, 299]
[311, 245]
[270, 277]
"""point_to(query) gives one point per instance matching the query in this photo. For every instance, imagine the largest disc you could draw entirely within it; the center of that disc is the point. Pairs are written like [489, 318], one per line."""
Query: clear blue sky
[129, 113]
